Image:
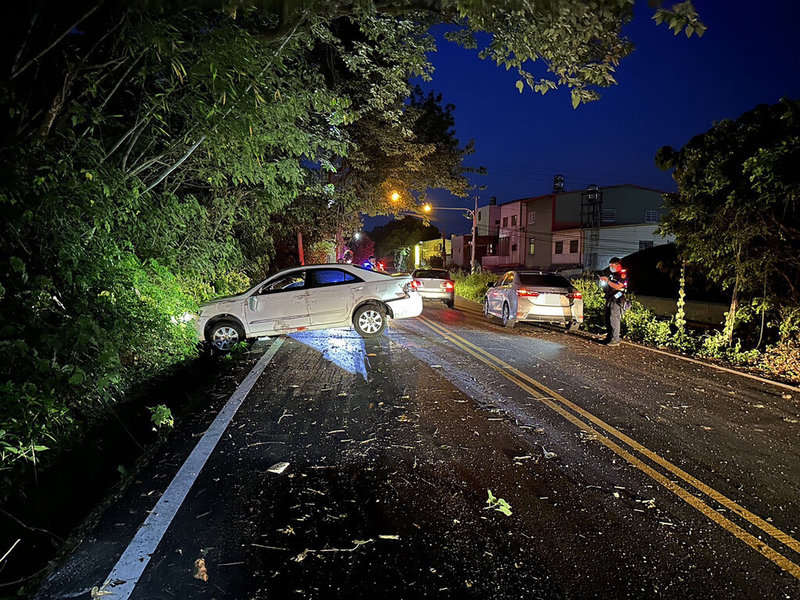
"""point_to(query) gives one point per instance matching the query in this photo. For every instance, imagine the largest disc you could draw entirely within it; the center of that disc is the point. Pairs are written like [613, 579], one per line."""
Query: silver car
[434, 284]
[533, 297]
[306, 298]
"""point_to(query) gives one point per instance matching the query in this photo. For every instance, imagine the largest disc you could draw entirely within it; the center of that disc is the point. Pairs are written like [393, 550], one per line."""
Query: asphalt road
[628, 474]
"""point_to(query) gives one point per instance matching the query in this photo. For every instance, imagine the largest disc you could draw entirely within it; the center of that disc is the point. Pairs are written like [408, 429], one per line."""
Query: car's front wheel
[369, 320]
[224, 335]
[486, 312]
[506, 318]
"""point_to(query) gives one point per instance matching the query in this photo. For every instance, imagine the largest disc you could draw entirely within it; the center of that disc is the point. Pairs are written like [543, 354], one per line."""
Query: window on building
[559, 247]
[532, 249]
[651, 216]
[531, 218]
[513, 220]
[645, 244]
[497, 222]
[513, 247]
[490, 249]
[609, 215]
[505, 221]
[573, 246]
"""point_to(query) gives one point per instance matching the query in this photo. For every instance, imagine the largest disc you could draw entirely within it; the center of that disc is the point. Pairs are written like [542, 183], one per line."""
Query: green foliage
[472, 286]
[161, 416]
[168, 155]
[736, 212]
[399, 237]
[498, 504]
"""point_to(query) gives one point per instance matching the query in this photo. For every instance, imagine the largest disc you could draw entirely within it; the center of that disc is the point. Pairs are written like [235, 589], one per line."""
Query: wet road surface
[629, 474]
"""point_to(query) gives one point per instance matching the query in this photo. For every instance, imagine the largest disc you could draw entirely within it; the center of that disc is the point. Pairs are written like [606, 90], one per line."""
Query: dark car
[434, 284]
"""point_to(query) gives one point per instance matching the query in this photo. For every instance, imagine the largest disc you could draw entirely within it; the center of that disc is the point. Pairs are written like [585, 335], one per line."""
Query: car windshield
[543, 280]
[432, 274]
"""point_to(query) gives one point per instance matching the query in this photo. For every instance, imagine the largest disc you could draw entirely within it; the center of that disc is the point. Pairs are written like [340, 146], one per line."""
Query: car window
[431, 274]
[290, 281]
[321, 277]
[543, 280]
[508, 279]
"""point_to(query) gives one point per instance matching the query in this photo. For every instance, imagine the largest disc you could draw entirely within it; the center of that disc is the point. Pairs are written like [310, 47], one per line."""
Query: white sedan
[306, 298]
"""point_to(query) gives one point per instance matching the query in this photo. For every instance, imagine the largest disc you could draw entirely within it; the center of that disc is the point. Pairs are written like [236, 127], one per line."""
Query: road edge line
[136, 556]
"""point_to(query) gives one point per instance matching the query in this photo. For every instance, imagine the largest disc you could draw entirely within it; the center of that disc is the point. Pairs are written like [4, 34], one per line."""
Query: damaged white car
[309, 297]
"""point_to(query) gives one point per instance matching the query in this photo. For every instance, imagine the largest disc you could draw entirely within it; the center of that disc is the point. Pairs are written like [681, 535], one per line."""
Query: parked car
[434, 284]
[533, 297]
[306, 298]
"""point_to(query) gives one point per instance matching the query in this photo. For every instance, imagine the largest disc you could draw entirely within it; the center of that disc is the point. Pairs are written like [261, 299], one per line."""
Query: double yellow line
[591, 424]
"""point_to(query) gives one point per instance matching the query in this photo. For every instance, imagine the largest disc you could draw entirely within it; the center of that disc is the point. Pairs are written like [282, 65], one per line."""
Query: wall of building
[569, 240]
[539, 226]
[488, 220]
[622, 240]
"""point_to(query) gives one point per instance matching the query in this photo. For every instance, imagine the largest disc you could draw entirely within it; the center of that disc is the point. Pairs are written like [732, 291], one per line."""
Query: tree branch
[58, 39]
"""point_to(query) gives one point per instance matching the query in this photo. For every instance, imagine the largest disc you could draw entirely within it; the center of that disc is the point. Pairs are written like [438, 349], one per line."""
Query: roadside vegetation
[779, 357]
[158, 154]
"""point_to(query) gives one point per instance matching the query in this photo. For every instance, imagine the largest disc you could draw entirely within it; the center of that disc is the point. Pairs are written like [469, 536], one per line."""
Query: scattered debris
[98, 592]
[526, 457]
[389, 537]
[278, 468]
[498, 504]
[200, 571]
[548, 454]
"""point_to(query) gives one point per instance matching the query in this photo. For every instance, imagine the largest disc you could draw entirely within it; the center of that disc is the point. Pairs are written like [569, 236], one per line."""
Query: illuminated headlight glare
[184, 318]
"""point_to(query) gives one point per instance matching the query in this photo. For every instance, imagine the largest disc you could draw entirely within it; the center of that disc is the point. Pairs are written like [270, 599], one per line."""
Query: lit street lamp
[473, 214]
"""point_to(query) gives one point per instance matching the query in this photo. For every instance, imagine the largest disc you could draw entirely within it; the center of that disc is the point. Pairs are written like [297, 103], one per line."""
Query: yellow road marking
[520, 379]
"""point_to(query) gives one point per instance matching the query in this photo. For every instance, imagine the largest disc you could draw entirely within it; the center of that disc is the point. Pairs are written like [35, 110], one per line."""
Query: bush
[472, 286]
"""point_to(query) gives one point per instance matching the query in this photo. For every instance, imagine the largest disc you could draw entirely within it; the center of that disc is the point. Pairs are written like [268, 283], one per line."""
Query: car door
[280, 305]
[497, 294]
[331, 295]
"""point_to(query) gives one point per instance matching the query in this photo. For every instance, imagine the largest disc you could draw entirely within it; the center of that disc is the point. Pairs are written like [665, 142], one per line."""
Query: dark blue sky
[670, 89]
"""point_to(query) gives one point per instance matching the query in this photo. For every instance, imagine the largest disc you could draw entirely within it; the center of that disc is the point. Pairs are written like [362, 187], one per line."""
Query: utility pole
[474, 228]
[300, 248]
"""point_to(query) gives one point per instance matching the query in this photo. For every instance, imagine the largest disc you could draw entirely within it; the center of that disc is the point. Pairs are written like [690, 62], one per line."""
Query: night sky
[670, 89]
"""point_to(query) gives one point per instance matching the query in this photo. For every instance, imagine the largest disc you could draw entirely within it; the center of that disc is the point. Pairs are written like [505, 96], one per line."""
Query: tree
[737, 211]
[157, 153]
[398, 238]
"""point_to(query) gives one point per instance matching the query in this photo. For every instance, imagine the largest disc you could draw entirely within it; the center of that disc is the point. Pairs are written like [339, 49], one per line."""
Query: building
[576, 230]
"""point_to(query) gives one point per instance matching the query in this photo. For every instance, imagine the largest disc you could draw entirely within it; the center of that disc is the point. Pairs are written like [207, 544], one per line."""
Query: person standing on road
[616, 284]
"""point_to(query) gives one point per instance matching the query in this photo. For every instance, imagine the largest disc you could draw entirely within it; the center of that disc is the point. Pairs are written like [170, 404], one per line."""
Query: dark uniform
[615, 299]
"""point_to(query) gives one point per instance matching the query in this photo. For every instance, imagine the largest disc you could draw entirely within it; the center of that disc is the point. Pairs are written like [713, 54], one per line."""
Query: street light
[473, 214]
[395, 196]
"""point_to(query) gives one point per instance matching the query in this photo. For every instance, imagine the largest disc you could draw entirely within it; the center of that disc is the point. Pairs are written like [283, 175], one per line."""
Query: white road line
[134, 560]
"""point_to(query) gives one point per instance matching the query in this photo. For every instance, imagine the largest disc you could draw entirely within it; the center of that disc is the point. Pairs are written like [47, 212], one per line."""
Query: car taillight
[575, 296]
[448, 285]
[527, 293]
[416, 283]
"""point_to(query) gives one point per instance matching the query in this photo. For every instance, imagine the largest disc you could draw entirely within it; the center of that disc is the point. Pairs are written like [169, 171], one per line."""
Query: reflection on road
[343, 347]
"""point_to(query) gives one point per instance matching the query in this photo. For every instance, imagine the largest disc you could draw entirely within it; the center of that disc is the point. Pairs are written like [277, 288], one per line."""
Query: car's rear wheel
[573, 326]
[224, 335]
[506, 318]
[369, 320]
[449, 303]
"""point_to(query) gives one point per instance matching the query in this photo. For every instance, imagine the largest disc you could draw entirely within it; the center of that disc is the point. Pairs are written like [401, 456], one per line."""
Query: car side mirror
[253, 302]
